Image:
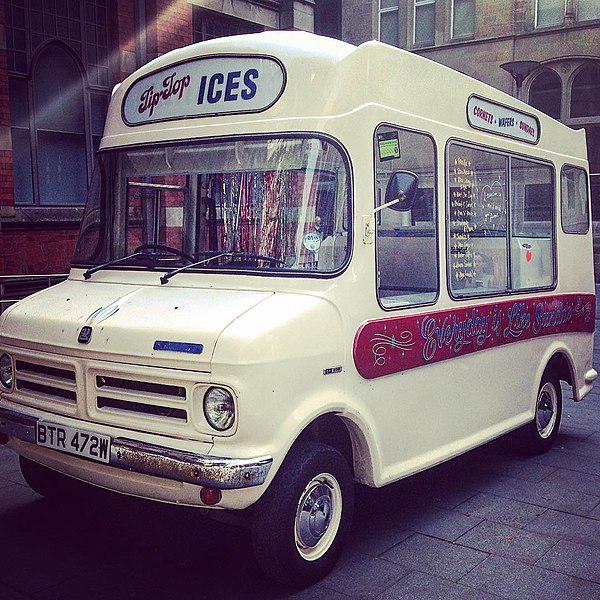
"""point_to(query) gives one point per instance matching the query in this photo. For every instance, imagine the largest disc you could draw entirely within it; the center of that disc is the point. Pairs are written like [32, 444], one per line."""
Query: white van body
[312, 299]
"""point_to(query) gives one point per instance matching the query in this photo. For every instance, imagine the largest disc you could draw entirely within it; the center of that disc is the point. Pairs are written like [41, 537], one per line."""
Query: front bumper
[159, 461]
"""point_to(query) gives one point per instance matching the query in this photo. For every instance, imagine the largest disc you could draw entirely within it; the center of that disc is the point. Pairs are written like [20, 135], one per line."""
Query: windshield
[276, 204]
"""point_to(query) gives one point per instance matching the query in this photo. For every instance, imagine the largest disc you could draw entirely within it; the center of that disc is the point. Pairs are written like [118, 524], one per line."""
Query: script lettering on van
[205, 87]
[502, 120]
[396, 344]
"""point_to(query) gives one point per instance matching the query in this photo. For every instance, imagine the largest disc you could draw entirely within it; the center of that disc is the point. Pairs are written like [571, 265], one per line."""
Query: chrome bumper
[159, 461]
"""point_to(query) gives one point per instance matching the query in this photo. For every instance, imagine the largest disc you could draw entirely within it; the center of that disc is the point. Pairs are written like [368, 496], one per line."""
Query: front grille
[145, 409]
[141, 398]
[46, 382]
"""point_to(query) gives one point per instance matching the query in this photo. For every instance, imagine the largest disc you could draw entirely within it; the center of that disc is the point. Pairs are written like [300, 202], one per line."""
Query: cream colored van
[304, 264]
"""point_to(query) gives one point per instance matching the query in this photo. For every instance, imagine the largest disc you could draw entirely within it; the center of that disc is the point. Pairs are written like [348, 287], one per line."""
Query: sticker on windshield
[312, 241]
[389, 145]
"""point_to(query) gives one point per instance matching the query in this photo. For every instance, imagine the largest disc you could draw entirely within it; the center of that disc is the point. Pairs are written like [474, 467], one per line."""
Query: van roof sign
[214, 85]
[499, 119]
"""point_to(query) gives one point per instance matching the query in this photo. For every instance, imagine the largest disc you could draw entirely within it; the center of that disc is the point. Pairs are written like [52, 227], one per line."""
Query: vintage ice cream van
[304, 264]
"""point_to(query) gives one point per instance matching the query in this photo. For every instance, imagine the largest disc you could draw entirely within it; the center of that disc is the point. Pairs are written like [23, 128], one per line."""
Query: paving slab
[505, 540]
[422, 586]
[575, 528]
[500, 510]
[516, 580]
[573, 559]
[434, 556]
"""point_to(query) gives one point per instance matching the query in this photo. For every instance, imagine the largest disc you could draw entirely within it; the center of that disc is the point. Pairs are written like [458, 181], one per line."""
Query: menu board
[477, 212]
[462, 219]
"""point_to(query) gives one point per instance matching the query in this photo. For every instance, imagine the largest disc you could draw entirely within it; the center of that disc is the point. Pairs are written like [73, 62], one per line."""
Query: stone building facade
[561, 39]
[59, 60]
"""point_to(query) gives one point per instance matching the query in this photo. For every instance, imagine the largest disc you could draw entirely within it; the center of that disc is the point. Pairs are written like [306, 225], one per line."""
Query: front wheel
[301, 521]
[540, 434]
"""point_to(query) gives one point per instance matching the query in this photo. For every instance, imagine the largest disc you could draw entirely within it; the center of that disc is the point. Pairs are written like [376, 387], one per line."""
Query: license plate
[94, 446]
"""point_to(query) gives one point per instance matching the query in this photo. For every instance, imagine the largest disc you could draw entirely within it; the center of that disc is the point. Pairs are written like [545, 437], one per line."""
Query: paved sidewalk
[490, 524]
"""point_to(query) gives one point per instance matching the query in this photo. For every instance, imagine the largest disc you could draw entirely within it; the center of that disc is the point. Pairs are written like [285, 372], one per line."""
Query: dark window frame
[510, 235]
[205, 24]
[85, 35]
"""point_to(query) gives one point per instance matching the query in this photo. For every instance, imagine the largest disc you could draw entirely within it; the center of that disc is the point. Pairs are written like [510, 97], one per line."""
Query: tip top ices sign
[205, 87]
[502, 120]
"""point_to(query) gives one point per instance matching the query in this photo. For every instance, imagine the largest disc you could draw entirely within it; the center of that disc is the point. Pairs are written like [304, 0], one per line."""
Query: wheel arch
[561, 365]
[347, 438]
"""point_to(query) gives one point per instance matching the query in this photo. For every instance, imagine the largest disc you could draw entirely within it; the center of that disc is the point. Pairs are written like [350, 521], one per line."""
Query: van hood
[166, 326]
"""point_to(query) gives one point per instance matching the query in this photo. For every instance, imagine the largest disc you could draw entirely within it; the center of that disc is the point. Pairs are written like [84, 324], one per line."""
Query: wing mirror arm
[400, 195]
[386, 205]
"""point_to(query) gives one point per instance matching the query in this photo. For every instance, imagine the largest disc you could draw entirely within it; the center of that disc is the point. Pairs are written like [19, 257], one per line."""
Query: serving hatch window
[501, 222]
[276, 204]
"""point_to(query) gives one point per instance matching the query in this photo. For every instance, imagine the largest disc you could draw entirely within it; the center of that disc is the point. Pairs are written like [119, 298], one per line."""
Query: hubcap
[318, 516]
[546, 410]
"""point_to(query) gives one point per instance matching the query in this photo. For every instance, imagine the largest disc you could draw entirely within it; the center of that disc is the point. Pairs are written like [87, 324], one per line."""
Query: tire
[47, 482]
[300, 523]
[541, 433]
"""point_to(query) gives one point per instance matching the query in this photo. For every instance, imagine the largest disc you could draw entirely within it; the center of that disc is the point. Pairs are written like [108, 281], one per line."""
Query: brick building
[49, 47]
[59, 60]
[560, 39]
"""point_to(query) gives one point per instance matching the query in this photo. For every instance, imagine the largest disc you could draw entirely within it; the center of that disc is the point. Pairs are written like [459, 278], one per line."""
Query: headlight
[219, 408]
[6, 371]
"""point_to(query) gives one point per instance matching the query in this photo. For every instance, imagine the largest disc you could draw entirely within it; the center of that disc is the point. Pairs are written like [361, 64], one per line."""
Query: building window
[545, 93]
[16, 36]
[59, 88]
[328, 18]
[208, 25]
[463, 18]
[49, 142]
[424, 22]
[585, 92]
[549, 12]
[593, 148]
[388, 22]
[588, 10]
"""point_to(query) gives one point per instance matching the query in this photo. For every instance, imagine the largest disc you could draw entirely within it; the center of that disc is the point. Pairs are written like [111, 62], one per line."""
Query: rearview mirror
[401, 191]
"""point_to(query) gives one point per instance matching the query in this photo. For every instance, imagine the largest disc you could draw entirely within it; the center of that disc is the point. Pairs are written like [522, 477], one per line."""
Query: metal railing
[16, 287]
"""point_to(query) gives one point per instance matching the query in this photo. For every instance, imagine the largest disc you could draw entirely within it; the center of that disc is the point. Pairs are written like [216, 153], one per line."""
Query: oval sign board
[502, 120]
[207, 86]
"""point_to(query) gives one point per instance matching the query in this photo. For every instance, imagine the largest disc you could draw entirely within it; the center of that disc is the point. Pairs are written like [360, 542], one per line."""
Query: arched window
[58, 116]
[585, 92]
[545, 93]
[59, 85]
[48, 130]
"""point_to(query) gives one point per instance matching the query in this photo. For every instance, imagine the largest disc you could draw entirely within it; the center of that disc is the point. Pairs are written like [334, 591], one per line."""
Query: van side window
[501, 222]
[406, 244]
[477, 221]
[574, 200]
[532, 225]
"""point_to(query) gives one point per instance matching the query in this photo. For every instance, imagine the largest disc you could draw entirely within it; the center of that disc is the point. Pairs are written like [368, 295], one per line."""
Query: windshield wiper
[216, 254]
[165, 278]
[110, 263]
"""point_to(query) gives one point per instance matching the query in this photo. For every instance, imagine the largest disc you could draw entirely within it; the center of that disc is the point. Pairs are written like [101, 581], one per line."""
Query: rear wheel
[45, 481]
[300, 523]
[541, 433]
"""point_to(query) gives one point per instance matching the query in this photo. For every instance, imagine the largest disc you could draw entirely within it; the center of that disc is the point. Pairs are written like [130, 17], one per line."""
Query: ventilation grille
[44, 382]
[142, 398]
